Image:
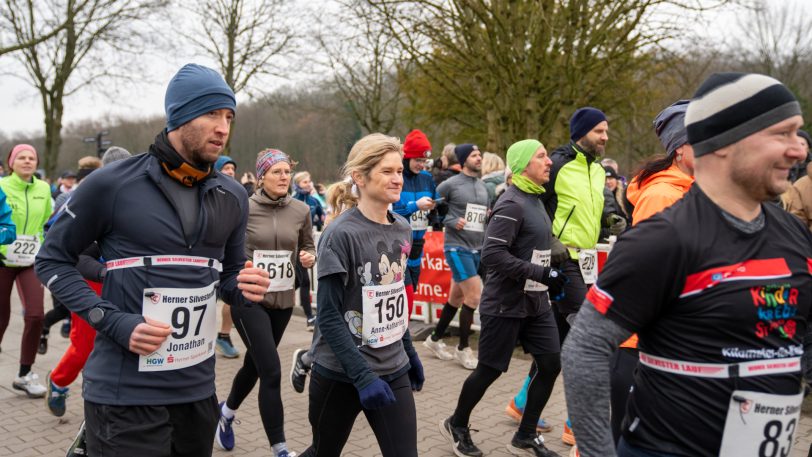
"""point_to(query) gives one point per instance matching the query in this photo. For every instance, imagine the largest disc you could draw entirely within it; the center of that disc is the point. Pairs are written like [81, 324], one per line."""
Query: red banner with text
[435, 276]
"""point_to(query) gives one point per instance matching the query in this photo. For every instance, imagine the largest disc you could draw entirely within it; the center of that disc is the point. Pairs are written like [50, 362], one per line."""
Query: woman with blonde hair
[302, 190]
[363, 355]
[493, 174]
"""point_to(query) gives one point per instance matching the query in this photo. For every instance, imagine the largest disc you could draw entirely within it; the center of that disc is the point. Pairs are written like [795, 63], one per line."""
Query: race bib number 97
[279, 268]
[192, 315]
[385, 314]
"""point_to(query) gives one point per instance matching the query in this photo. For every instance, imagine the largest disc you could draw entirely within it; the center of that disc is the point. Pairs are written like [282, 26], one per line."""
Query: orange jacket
[660, 191]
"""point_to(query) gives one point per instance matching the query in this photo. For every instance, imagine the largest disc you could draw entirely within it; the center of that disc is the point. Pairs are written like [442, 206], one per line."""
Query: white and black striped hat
[728, 107]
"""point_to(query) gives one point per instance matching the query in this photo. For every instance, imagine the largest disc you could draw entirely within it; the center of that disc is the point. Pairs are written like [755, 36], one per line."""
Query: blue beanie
[222, 161]
[584, 120]
[462, 151]
[670, 126]
[195, 90]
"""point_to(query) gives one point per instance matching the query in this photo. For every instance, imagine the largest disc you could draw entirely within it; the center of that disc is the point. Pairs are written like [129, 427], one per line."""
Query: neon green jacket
[574, 197]
[30, 204]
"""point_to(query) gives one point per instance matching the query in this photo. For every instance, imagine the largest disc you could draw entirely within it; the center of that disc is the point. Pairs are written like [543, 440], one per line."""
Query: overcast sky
[21, 110]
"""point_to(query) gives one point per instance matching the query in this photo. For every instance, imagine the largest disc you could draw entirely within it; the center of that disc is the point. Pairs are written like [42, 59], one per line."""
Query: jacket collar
[263, 199]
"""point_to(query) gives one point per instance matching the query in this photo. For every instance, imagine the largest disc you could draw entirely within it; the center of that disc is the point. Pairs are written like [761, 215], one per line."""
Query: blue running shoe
[55, 397]
[225, 434]
[226, 348]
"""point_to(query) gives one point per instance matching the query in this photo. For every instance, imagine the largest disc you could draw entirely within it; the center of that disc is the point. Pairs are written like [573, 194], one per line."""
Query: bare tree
[9, 9]
[775, 38]
[366, 63]
[78, 56]
[516, 68]
[248, 39]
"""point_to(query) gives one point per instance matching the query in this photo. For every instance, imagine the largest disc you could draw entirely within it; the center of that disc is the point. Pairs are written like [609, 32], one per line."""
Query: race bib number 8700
[475, 217]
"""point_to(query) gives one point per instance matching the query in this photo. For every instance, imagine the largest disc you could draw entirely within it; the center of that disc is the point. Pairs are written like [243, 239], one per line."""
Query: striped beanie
[728, 107]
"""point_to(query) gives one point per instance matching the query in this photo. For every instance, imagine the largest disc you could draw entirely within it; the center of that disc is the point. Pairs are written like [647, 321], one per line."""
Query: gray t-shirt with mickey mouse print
[363, 253]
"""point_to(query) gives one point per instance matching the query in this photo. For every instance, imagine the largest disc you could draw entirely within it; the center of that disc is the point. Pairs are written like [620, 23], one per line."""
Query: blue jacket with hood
[126, 208]
[415, 187]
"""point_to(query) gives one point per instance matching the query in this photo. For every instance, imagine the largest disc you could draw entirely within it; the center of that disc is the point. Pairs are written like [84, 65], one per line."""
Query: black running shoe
[43, 344]
[460, 439]
[78, 448]
[533, 445]
[298, 371]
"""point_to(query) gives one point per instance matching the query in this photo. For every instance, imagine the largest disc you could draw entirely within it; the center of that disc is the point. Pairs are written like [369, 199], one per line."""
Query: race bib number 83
[760, 424]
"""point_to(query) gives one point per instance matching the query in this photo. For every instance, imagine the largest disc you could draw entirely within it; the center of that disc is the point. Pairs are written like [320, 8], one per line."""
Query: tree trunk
[53, 136]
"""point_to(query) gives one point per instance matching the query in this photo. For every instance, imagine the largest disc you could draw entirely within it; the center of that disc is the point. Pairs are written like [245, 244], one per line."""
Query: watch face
[96, 315]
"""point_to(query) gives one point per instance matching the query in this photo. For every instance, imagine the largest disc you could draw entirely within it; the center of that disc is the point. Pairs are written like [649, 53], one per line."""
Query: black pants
[58, 313]
[622, 365]
[303, 283]
[183, 430]
[334, 406]
[261, 330]
[575, 293]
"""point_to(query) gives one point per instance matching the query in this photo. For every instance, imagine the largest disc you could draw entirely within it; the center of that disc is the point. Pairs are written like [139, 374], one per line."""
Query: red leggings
[82, 336]
[31, 295]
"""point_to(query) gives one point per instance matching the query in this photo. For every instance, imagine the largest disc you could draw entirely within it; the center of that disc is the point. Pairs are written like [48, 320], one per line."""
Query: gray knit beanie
[114, 154]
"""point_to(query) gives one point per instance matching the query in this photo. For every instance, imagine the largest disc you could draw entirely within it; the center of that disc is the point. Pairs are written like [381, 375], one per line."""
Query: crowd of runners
[690, 342]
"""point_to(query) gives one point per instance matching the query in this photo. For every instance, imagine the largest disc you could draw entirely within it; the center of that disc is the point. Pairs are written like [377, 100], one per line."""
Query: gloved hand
[558, 252]
[616, 224]
[376, 395]
[416, 375]
[555, 280]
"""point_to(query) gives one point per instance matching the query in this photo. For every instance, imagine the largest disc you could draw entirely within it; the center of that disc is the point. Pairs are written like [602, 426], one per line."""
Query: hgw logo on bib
[191, 313]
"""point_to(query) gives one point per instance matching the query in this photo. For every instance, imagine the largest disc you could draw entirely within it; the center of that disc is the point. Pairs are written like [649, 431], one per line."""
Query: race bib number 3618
[279, 268]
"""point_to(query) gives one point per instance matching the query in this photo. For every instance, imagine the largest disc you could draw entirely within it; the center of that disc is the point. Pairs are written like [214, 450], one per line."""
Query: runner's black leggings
[58, 313]
[541, 386]
[334, 405]
[261, 330]
[303, 276]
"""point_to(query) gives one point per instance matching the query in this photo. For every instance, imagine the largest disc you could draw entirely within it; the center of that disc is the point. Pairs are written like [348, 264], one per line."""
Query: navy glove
[555, 280]
[376, 395]
[416, 373]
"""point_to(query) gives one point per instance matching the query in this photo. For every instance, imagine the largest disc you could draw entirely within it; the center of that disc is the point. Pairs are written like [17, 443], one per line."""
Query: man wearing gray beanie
[718, 289]
[172, 232]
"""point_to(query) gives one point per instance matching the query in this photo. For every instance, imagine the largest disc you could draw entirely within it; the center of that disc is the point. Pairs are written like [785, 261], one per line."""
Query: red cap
[416, 146]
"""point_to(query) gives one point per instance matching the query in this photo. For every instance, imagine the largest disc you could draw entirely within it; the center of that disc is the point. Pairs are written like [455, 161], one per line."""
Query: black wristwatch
[95, 316]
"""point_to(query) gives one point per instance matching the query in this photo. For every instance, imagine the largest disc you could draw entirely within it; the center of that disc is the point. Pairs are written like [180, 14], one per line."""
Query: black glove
[416, 372]
[555, 280]
[616, 224]
[558, 252]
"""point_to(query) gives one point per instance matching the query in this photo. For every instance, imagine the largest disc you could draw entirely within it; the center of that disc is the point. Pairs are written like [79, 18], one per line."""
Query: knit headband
[18, 149]
[269, 158]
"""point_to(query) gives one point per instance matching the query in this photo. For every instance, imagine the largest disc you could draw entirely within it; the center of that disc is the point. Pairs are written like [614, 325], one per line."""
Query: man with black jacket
[172, 231]
[515, 302]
